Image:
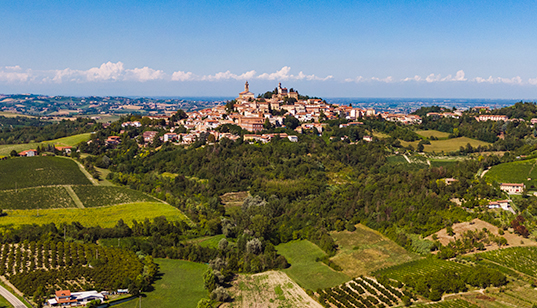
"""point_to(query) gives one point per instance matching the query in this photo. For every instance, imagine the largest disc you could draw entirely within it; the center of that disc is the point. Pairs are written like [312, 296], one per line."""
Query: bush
[220, 294]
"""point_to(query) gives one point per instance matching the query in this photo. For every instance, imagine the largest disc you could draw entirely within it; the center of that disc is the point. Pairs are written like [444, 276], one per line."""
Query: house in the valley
[512, 188]
[65, 298]
[28, 153]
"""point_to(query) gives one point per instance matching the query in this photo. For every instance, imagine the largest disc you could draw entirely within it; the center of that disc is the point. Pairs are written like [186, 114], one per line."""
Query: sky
[425, 49]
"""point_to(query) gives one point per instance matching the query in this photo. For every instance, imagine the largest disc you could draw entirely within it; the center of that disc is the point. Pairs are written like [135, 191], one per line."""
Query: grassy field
[448, 145]
[102, 216]
[418, 267]
[180, 286]
[4, 303]
[515, 172]
[39, 171]
[304, 270]
[14, 115]
[36, 198]
[432, 133]
[366, 250]
[443, 162]
[6, 149]
[92, 196]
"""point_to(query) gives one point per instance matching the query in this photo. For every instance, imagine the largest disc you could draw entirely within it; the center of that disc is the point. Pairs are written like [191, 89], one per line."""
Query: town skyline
[452, 49]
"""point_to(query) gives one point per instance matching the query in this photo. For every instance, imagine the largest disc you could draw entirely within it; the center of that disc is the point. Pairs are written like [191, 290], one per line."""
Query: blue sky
[462, 49]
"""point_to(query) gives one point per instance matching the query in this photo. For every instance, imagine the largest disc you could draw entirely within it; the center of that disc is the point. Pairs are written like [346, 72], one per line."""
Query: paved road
[11, 298]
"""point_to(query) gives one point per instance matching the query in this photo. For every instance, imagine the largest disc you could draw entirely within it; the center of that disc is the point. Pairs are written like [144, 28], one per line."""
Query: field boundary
[74, 196]
[86, 173]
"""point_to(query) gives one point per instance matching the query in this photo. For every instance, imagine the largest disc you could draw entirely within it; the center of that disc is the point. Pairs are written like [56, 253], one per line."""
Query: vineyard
[50, 266]
[363, 292]
[36, 198]
[521, 259]
[421, 267]
[40, 171]
[92, 196]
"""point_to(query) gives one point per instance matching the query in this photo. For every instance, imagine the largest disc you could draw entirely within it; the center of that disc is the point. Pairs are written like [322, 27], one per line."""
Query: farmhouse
[66, 298]
[491, 117]
[512, 188]
[503, 204]
[28, 153]
[149, 135]
[450, 181]
[67, 150]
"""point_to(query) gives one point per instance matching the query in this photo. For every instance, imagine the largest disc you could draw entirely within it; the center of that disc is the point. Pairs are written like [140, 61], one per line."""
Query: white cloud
[495, 80]
[182, 76]
[107, 71]
[14, 68]
[283, 74]
[144, 74]
[415, 78]
[228, 75]
[13, 77]
[533, 81]
[386, 80]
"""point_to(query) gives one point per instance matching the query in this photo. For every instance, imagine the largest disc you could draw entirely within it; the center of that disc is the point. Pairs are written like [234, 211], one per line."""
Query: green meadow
[6, 149]
[307, 272]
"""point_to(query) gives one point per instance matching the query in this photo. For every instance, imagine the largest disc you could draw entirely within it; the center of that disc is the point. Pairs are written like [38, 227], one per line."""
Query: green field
[418, 267]
[304, 270]
[443, 162]
[181, 286]
[448, 145]
[36, 198]
[102, 216]
[365, 250]
[4, 303]
[515, 172]
[432, 133]
[40, 171]
[6, 149]
[92, 196]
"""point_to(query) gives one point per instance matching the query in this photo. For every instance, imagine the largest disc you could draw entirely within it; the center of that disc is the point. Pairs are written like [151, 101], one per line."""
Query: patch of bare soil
[477, 224]
[234, 198]
[268, 289]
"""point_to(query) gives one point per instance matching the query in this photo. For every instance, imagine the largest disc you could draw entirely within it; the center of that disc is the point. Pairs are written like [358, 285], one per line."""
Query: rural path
[75, 198]
[483, 173]
[407, 159]
[12, 299]
[86, 173]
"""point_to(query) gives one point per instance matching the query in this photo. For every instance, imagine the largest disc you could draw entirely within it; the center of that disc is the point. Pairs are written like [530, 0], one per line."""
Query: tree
[420, 147]
[204, 303]
[210, 280]
[291, 122]
[13, 153]
[220, 294]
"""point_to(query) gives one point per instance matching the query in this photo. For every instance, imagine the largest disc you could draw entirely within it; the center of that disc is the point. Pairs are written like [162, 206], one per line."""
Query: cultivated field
[268, 290]
[180, 286]
[361, 292]
[515, 172]
[432, 133]
[93, 196]
[448, 145]
[304, 270]
[515, 294]
[102, 216]
[456, 303]
[6, 149]
[365, 250]
[39, 171]
[522, 259]
[418, 267]
[36, 198]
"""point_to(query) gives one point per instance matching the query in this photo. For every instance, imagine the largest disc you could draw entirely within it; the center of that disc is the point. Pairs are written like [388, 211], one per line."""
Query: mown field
[179, 286]
[448, 145]
[365, 250]
[36, 198]
[40, 171]
[432, 133]
[418, 267]
[5, 149]
[304, 270]
[4, 303]
[102, 216]
[514, 172]
[93, 196]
